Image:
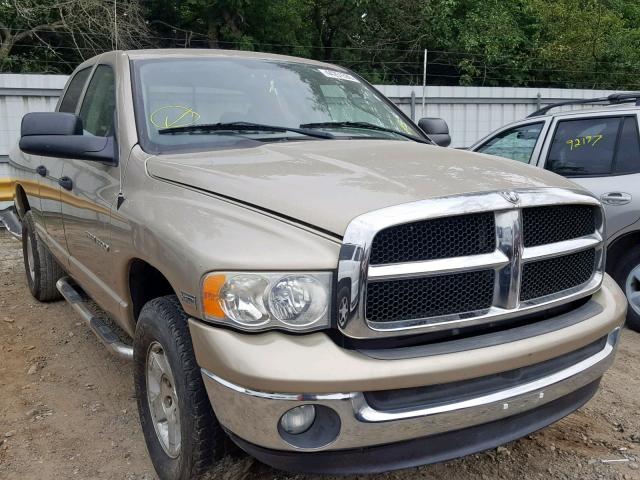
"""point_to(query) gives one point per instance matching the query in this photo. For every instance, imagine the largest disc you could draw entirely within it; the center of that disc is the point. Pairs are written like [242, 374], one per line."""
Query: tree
[561, 43]
[66, 31]
[590, 43]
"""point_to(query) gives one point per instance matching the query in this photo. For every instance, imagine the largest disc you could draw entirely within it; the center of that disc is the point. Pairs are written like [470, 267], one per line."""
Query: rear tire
[627, 274]
[42, 270]
[183, 436]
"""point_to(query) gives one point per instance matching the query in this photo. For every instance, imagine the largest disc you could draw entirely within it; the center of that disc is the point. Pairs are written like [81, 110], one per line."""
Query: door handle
[615, 198]
[66, 183]
[41, 170]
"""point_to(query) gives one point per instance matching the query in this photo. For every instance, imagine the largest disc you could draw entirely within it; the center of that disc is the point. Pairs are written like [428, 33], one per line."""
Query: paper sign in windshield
[338, 75]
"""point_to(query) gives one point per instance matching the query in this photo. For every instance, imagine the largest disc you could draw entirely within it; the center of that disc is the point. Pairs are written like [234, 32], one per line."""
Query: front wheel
[182, 434]
[627, 275]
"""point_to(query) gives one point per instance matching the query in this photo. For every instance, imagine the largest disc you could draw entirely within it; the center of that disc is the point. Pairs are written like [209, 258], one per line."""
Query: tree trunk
[5, 48]
[212, 33]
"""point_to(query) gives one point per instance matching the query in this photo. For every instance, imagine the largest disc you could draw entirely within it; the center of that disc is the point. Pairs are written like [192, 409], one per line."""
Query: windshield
[209, 91]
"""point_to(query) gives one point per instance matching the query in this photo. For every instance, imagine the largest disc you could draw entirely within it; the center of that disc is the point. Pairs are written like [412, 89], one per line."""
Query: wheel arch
[146, 282]
[21, 201]
[621, 245]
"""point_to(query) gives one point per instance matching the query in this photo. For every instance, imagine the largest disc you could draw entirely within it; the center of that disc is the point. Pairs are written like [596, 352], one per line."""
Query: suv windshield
[216, 93]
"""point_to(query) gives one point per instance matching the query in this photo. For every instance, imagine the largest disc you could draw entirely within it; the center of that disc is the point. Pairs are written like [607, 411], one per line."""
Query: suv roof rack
[613, 99]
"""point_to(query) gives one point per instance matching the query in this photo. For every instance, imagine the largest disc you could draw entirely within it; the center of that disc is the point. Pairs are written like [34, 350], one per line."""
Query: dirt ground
[67, 410]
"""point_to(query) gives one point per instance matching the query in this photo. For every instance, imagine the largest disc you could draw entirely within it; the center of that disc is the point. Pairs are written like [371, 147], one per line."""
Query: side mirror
[60, 134]
[437, 130]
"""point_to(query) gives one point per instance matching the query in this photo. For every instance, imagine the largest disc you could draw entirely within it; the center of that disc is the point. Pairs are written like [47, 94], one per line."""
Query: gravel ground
[67, 410]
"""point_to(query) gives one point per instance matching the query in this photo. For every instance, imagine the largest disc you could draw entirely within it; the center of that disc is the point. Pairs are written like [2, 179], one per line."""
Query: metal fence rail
[473, 112]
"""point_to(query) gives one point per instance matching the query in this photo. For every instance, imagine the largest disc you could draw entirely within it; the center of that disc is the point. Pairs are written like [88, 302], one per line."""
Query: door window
[585, 147]
[628, 154]
[74, 90]
[99, 103]
[516, 143]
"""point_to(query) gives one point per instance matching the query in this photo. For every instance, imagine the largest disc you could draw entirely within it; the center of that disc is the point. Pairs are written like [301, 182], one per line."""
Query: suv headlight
[295, 301]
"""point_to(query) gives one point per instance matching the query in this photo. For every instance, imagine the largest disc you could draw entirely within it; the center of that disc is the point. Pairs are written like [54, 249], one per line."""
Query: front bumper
[254, 415]
[244, 375]
[425, 450]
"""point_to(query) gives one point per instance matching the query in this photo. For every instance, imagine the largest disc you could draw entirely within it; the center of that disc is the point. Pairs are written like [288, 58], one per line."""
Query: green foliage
[562, 43]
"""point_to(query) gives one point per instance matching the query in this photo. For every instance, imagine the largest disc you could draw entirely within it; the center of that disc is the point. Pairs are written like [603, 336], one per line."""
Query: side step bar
[101, 329]
[10, 220]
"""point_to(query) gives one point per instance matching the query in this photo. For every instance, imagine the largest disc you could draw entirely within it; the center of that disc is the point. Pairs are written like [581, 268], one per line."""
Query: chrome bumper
[253, 416]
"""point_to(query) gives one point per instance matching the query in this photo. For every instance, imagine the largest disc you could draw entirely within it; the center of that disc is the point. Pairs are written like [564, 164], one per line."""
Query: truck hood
[328, 183]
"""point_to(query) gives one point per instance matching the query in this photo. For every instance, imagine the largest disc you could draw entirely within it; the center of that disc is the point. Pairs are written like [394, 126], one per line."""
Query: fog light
[298, 419]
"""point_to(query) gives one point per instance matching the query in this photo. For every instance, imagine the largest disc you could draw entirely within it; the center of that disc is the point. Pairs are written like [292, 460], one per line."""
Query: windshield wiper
[242, 127]
[363, 125]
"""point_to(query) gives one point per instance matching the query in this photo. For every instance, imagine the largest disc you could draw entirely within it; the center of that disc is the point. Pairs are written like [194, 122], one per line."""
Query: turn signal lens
[210, 295]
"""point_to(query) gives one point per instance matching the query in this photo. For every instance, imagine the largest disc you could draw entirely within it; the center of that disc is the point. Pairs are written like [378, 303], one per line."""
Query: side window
[584, 147]
[628, 155]
[74, 90]
[516, 143]
[99, 103]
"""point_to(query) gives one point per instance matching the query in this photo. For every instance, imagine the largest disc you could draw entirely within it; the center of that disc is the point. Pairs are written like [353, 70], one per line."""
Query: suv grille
[542, 225]
[416, 241]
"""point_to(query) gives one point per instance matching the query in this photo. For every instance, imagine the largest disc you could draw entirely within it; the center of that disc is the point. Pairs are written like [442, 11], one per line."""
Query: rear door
[601, 153]
[92, 189]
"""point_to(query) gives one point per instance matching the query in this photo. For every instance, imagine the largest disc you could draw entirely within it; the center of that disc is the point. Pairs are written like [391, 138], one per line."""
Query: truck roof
[173, 53]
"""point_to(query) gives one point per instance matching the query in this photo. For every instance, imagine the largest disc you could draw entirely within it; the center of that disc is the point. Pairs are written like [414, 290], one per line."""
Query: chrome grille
[556, 223]
[430, 296]
[415, 241]
[553, 275]
[532, 263]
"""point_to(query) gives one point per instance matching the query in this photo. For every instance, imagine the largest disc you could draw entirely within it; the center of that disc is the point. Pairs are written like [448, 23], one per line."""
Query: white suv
[599, 149]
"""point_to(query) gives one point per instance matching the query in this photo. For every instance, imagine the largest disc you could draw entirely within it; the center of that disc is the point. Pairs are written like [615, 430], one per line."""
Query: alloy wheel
[163, 400]
[632, 289]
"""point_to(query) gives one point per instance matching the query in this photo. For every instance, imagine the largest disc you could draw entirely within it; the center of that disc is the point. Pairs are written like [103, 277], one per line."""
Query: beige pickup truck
[292, 264]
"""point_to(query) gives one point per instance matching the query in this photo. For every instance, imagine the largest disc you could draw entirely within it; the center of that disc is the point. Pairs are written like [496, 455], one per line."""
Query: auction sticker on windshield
[338, 75]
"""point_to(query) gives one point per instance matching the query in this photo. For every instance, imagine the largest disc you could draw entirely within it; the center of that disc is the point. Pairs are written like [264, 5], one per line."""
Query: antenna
[120, 196]
[424, 79]
[115, 21]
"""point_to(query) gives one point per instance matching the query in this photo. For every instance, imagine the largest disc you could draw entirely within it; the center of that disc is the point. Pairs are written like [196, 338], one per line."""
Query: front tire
[42, 270]
[627, 275]
[182, 434]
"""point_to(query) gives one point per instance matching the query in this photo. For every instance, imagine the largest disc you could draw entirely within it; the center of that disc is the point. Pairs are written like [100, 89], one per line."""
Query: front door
[49, 173]
[91, 191]
[602, 154]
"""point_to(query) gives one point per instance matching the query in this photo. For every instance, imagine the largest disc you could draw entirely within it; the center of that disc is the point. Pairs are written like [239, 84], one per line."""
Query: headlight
[262, 301]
